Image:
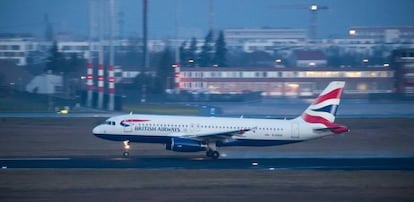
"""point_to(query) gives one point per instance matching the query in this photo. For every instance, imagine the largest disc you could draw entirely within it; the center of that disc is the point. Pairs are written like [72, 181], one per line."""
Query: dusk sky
[72, 15]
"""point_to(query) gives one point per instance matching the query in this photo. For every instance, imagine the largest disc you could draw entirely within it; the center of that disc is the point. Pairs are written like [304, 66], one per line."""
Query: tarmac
[56, 158]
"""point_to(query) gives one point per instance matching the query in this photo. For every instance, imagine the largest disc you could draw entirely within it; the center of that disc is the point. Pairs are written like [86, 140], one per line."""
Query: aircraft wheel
[125, 154]
[215, 154]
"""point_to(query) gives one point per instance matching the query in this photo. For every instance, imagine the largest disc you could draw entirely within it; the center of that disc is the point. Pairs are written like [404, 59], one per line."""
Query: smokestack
[101, 57]
[111, 77]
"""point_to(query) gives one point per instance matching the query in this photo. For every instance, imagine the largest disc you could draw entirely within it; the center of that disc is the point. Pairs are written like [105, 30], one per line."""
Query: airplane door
[295, 130]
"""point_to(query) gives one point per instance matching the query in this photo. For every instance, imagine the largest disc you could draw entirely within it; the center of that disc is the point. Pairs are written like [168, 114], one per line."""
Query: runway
[352, 164]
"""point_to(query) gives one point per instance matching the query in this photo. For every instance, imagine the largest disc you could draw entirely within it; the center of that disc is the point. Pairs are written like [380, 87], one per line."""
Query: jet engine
[185, 145]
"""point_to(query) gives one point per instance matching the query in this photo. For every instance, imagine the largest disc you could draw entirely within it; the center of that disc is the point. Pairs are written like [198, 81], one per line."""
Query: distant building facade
[403, 63]
[285, 81]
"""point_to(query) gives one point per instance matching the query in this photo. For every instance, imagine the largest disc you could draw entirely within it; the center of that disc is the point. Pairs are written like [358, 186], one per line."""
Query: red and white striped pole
[89, 70]
[111, 88]
[111, 76]
[101, 58]
[100, 83]
[89, 83]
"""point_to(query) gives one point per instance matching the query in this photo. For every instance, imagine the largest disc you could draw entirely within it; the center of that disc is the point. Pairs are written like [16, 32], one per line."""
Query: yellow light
[293, 85]
[64, 111]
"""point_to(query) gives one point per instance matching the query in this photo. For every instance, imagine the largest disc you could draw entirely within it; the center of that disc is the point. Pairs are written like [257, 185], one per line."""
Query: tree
[205, 58]
[221, 51]
[165, 73]
[183, 51]
[192, 53]
[56, 61]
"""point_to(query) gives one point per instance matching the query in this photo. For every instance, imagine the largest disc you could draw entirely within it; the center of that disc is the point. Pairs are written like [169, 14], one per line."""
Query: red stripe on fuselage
[134, 120]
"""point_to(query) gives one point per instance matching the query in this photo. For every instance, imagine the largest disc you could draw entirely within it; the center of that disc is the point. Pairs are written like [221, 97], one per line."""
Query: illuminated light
[64, 111]
[386, 65]
[365, 60]
[175, 65]
[111, 79]
[83, 77]
[90, 76]
[312, 64]
[293, 85]
[100, 78]
[126, 145]
[352, 32]
[278, 60]
[255, 164]
[190, 61]
[177, 75]
[314, 7]
[362, 86]
[215, 65]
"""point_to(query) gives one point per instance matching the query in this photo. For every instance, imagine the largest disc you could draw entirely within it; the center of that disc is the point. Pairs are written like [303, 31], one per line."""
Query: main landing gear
[126, 149]
[212, 150]
[212, 154]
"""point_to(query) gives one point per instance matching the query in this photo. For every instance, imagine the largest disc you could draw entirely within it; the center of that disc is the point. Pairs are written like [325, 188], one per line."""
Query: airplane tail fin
[323, 109]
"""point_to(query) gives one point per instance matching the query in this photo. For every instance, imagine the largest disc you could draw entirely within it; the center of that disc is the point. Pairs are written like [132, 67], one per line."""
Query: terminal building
[403, 62]
[295, 82]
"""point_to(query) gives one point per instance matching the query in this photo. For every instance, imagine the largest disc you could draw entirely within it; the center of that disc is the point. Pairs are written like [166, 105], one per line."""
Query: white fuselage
[158, 129]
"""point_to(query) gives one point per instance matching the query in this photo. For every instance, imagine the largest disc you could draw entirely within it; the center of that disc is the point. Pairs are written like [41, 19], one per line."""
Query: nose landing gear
[126, 148]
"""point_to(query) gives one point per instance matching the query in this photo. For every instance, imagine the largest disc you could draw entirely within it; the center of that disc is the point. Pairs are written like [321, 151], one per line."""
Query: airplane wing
[221, 135]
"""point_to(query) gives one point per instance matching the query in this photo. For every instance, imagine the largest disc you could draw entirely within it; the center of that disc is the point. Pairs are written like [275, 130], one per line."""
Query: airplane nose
[97, 130]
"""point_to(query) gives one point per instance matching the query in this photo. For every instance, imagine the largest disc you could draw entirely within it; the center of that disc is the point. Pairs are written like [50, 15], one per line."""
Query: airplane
[195, 134]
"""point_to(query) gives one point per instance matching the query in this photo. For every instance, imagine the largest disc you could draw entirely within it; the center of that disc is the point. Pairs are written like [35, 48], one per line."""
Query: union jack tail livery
[323, 109]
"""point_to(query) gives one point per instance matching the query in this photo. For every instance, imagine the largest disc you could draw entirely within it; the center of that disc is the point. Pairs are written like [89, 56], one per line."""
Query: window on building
[15, 47]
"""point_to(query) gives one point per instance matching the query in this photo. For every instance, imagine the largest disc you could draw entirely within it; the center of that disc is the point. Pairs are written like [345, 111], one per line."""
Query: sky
[190, 18]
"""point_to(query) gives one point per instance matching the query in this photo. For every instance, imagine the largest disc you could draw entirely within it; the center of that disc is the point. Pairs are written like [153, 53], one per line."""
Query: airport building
[296, 82]
[403, 62]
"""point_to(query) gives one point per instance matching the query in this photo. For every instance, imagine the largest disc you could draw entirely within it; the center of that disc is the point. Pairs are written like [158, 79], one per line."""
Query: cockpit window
[112, 123]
